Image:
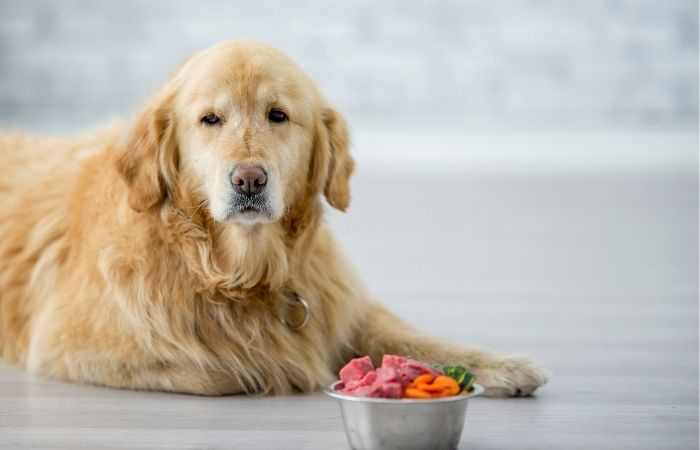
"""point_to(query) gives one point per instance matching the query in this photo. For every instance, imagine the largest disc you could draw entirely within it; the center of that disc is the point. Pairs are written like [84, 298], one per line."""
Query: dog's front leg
[501, 374]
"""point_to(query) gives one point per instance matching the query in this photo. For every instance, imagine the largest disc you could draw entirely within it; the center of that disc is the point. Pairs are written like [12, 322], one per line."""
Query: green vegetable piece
[461, 375]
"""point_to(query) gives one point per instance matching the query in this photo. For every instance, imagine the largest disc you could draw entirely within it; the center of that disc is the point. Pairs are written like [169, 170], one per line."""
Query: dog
[186, 251]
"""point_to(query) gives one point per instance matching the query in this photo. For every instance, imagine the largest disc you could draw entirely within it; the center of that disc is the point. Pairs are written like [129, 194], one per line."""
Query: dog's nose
[248, 179]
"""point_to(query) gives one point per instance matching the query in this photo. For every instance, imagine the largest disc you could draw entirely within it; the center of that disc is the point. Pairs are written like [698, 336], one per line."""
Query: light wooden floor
[597, 277]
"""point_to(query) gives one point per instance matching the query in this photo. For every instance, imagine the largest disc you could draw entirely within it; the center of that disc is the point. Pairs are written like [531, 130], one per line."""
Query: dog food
[400, 377]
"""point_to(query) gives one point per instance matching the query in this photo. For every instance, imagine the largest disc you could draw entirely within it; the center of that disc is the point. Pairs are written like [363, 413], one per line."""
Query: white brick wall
[493, 61]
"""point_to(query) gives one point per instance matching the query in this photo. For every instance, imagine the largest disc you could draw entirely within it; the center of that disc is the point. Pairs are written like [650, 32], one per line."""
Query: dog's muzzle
[249, 198]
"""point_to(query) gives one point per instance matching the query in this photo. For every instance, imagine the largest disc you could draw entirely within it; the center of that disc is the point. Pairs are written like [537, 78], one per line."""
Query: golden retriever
[176, 253]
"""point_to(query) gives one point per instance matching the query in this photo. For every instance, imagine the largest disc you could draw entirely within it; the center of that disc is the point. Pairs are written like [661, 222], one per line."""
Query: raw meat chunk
[356, 369]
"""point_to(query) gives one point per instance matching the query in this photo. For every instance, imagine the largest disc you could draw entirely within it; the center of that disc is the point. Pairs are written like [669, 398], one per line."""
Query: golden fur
[117, 272]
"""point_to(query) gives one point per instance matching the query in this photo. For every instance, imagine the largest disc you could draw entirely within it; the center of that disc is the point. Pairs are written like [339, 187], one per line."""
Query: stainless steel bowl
[403, 424]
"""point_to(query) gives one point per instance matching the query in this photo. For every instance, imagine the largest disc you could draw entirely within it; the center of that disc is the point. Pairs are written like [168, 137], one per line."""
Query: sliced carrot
[450, 384]
[416, 393]
[440, 384]
[426, 378]
[429, 386]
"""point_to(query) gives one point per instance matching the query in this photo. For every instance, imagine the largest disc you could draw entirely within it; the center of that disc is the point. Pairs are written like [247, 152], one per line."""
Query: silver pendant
[295, 300]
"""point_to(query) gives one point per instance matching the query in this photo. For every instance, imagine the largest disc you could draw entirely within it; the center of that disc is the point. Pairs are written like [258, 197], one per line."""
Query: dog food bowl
[403, 424]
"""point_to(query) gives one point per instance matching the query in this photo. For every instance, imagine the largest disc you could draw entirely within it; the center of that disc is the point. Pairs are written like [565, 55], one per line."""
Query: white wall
[443, 69]
[590, 61]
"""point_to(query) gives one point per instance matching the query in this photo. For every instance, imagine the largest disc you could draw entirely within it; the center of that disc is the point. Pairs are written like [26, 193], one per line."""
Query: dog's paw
[510, 376]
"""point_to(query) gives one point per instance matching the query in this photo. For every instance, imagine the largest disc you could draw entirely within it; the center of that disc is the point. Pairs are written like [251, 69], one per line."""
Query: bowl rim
[330, 390]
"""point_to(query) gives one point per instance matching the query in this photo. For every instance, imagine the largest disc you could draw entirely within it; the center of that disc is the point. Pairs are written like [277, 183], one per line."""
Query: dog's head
[239, 130]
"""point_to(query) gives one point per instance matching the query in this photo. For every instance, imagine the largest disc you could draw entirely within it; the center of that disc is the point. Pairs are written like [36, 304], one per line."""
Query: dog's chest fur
[181, 309]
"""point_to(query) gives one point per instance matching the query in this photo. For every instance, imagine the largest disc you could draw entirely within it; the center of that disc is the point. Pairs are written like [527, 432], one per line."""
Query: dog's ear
[332, 162]
[147, 157]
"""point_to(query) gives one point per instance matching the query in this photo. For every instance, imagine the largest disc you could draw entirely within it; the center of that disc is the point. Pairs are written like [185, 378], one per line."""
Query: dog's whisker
[199, 208]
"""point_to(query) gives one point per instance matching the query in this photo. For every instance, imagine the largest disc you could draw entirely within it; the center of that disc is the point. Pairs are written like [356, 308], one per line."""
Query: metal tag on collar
[294, 300]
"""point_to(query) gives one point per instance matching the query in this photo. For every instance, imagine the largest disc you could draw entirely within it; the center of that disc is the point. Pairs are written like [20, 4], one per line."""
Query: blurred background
[402, 65]
[553, 62]
[527, 169]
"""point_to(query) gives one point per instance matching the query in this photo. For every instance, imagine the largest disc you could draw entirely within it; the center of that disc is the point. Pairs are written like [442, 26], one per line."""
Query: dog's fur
[120, 264]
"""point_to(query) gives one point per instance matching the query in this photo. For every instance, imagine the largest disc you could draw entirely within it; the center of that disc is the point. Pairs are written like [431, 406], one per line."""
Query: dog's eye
[211, 119]
[277, 116]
